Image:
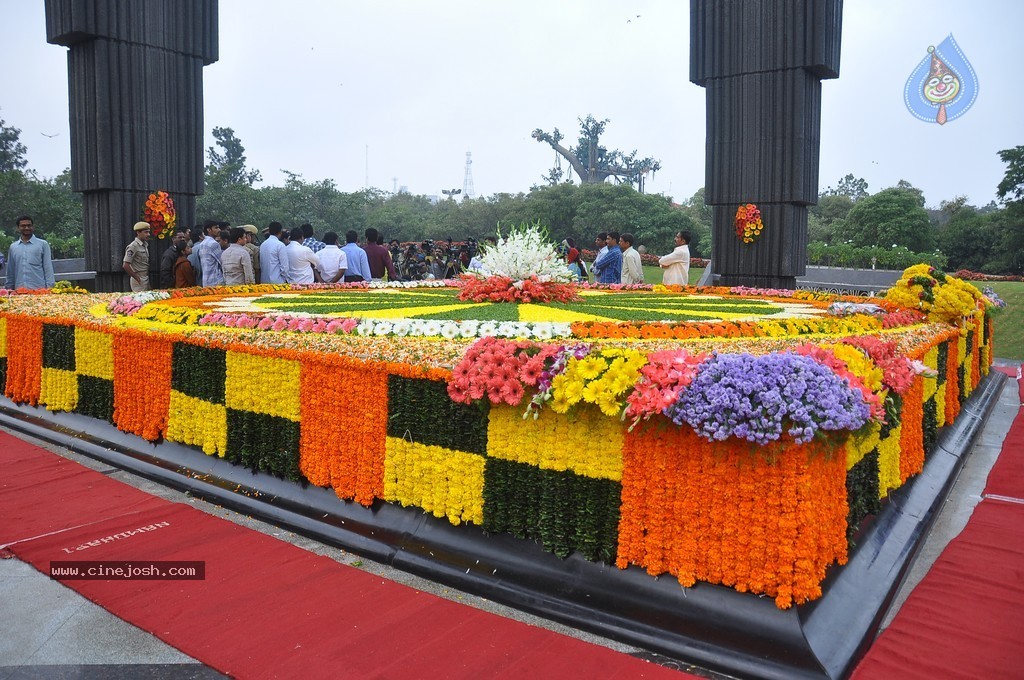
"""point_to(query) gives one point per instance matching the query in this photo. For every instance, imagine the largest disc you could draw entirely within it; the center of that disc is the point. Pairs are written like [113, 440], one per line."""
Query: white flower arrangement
[523, 253]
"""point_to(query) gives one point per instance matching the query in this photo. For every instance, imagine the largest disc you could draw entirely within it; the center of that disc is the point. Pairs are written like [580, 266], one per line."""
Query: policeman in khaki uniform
[254, 250]
[136, 258]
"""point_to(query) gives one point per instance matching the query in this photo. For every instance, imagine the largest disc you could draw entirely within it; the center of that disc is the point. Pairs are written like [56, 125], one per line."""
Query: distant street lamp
[451, 193]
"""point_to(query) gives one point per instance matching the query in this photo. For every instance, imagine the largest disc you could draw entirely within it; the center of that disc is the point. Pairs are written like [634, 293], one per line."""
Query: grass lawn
[1009, 321]
[652, 274]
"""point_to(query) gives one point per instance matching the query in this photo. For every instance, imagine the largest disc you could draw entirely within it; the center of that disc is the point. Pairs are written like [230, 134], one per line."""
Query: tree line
[848, 227]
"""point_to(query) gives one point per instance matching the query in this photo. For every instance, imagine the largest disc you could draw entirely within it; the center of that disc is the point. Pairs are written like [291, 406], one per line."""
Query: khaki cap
[139, 226]
[250, 228]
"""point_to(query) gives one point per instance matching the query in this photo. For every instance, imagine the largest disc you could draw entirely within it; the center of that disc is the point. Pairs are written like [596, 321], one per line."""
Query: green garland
[862, 494]
[95, 398]
[930, 426]
[264, 443]
[59, 347]
[420, 411]
[199, 372]
[941, 364]
[563, 511]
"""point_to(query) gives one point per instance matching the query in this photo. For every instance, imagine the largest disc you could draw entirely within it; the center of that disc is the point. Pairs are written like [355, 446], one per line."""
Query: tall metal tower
[467, 183]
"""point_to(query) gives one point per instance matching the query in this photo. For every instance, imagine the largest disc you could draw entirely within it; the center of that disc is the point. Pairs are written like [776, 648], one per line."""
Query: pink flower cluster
[825, 357]
[662, 379]
[903, 317]
[761, 292]
[126, 305]
[897, 371]
[618, 286]
[498, 369]
[504, 289]
[281, 322]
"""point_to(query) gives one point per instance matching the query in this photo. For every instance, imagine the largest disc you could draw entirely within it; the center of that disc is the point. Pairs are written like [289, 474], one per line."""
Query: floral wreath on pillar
[160, 213]
[748, 223]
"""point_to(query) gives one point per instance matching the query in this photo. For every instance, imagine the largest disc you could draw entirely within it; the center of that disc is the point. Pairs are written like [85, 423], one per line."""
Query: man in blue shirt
[609, 265]
[209, 255]
[29, 264]
[358, 264]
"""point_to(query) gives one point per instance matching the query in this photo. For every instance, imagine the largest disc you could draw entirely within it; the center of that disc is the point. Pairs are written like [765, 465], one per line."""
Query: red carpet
[964, 619]
[1007, 476]
[267, 608]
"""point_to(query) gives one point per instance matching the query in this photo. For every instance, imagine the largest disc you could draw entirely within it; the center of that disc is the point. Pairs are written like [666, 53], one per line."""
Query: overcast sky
[393, 93]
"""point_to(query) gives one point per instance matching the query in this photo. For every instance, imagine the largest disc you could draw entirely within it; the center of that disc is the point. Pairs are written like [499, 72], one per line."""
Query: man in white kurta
[677, 263]
[303, 264]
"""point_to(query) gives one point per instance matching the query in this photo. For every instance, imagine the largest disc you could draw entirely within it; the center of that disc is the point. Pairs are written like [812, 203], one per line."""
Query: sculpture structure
[761, 63]
[135, 74]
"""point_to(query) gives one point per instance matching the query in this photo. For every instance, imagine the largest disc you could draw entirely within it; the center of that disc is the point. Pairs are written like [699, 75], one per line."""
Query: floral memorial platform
[692, 442]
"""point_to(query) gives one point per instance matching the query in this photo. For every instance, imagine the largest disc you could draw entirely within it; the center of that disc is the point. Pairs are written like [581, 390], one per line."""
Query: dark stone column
[761, 63]
[135, 74]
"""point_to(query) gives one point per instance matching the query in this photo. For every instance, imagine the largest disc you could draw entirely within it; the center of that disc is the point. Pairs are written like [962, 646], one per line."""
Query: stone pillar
[761, 63]
[135, 74]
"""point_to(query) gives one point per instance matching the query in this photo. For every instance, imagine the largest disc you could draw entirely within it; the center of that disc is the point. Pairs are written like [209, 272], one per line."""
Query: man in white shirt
[677, 263]
[333, 261]
[273, 258]
[303, 264]
[632, 267]
[236, 260]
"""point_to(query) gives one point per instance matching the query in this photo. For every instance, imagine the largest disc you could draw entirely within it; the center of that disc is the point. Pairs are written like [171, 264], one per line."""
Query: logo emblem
[943, 86]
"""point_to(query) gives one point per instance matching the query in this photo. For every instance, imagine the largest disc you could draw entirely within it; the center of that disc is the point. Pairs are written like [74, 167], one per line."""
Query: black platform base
[710, 626]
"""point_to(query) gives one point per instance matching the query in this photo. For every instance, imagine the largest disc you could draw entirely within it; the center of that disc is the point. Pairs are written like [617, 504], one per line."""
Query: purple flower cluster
[758, 397]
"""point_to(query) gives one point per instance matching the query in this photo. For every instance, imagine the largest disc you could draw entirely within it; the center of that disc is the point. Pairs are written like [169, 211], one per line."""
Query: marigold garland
[94, 353]
[142, 383]
[889, 461]
[58, 389]
[443, 482]
[679, 513]
[344, 426]
[952, 400]
[198, 423]
[589, 444]
[24, 359]
[912, 431]
[259, 382]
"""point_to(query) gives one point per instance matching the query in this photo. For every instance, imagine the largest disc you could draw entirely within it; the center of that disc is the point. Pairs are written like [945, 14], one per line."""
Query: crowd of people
[618, 261]
[216, 254]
